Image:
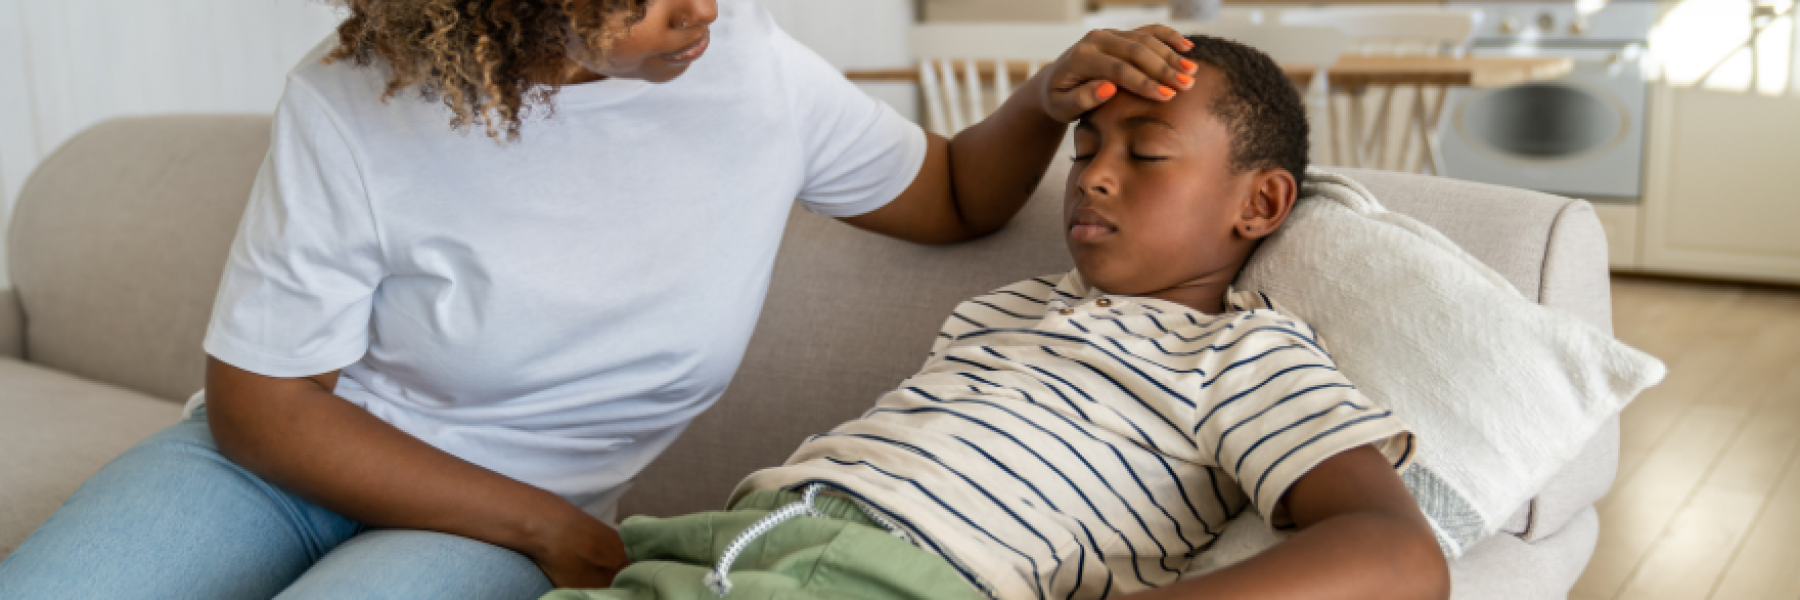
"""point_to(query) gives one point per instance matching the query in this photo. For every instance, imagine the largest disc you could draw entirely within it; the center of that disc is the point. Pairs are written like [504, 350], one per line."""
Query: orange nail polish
[1106, 90]
[1187, 65]
[1167, 92]
[1184, 78]
[1187, 44]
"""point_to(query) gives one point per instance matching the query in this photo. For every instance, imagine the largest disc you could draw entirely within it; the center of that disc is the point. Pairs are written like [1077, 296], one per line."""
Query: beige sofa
[119, 239]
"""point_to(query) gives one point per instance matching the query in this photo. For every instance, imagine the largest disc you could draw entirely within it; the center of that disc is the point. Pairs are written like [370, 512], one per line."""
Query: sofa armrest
[12, 324]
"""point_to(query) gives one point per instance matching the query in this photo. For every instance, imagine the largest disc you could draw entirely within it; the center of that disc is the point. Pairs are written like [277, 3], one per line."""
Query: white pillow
[1500, 391]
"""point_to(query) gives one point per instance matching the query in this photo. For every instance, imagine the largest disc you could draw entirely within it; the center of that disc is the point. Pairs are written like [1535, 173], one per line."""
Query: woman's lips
[692, 51]
[1090, 226]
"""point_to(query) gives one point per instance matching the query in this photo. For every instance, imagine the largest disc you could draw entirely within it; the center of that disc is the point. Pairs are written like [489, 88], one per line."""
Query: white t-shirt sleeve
[296, 295]
[858, 153]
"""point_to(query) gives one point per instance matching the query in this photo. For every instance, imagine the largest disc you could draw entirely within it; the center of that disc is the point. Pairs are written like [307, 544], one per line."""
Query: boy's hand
[1142, 61]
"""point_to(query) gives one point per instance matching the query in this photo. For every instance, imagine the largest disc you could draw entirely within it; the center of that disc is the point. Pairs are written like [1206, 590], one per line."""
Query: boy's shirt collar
[1074, 290]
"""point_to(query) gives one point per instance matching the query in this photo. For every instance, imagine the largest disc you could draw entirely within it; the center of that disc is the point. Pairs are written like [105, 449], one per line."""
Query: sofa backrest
[120, 237]
[118, 242]
[850, 314]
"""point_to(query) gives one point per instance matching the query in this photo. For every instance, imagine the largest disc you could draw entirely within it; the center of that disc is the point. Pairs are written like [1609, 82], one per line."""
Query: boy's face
[1152, 205]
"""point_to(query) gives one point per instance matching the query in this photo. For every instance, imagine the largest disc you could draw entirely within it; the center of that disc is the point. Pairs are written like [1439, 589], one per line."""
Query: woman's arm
[972, 184]
[1361, 536]
[297, 434]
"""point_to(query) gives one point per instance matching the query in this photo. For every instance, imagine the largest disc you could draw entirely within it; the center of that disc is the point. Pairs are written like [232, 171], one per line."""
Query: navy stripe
[1020, 296]
[1243, 336]
[1228, 431]
[1122, 350]
[1257, 493]
[1246, 361]
[1241, 394]
[1006, 312]
[1059, 394]
[970, 363]
[1009, 471]
[1164, 418]
[966, 319]
[1072, 451]
[1036, 575]
[1141, 375]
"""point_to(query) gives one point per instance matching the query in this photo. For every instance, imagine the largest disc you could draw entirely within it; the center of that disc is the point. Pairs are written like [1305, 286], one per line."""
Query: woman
[438, 359]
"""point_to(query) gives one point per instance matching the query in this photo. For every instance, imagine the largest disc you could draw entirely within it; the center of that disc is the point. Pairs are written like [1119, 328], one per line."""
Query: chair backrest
[1394, 30]
[119, 240]
[1309, 45]
[952, 57]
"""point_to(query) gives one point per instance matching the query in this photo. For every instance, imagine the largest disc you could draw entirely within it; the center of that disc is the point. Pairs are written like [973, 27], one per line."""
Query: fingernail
[1184, 78]
[1106, 90]
[1167, 92]
[1188, 65]
[1187, 44]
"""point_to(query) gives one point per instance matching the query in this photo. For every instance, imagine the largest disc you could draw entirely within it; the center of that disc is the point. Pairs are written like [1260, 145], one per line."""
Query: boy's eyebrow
[1146, 120]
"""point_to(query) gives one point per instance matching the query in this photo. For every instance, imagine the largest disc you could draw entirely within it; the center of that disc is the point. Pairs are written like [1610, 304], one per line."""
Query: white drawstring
[716, 579]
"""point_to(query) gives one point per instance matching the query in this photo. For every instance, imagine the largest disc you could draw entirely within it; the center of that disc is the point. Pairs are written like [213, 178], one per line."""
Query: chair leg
[1434, 148]
[1358, 114]
[1373, 150]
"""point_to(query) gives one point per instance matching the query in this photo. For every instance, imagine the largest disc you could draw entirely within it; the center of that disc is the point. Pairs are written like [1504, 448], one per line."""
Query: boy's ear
[1271, 197]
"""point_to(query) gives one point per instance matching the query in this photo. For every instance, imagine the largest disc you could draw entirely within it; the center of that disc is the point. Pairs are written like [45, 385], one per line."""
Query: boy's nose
[1098, 179]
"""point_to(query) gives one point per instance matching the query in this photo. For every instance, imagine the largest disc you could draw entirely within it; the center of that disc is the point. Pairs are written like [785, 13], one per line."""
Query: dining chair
[1362, 140]
[967, 69]
[1316, 47]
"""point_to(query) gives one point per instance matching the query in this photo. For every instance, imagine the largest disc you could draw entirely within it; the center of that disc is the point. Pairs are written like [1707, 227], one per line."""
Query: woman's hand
[579, 551]
[1142, 61]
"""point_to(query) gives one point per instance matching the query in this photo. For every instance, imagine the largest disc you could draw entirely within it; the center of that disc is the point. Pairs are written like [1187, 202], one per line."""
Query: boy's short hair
[1259, 106]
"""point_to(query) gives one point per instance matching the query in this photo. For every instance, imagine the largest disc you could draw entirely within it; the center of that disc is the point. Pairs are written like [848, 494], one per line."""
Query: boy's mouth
[1088, 225]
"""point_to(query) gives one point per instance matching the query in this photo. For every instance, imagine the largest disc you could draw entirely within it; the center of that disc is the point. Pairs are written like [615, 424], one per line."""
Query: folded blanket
[1501, 391]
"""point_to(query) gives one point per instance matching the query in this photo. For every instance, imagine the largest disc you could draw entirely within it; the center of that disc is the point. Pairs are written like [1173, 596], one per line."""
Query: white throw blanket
[1501, 392]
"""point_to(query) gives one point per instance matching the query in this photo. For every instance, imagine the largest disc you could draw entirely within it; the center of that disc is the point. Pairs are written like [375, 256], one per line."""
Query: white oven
[1579, 135]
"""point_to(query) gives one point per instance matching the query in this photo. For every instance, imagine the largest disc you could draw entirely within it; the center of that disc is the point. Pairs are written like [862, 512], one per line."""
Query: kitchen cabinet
[1720, 198]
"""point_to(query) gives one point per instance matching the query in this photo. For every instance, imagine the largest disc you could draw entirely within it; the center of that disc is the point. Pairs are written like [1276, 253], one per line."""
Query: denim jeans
[173, 518]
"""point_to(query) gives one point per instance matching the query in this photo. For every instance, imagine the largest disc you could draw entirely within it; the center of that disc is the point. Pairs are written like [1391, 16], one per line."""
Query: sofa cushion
[119, 240]
[58, 430]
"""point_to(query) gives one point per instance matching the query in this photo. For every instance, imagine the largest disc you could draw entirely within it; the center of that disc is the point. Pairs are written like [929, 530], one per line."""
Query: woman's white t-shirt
[555, 309]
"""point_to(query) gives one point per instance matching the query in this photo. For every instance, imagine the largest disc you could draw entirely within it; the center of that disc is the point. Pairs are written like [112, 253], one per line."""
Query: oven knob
[1510, 25]
[1578, 26]
[1546, 22]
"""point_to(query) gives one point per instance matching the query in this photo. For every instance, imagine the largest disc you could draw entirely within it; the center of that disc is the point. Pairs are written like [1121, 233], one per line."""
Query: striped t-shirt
[1064, 443]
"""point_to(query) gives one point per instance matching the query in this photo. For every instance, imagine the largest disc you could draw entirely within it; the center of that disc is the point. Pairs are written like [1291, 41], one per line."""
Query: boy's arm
[1361, 536]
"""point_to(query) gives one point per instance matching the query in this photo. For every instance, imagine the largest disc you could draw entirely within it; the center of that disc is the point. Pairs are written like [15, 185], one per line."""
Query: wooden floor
[1707, 503]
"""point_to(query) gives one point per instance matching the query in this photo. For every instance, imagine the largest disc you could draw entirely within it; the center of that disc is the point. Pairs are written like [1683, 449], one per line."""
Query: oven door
[1580, 135]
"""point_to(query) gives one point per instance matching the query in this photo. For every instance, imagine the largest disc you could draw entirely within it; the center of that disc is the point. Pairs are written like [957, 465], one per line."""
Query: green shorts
[844, 556]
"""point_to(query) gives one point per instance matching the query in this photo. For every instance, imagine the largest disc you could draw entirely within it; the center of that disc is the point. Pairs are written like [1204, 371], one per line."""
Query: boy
[1083, 436]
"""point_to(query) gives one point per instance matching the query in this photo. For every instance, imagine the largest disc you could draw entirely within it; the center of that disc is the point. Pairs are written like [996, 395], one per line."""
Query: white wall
[67, 64]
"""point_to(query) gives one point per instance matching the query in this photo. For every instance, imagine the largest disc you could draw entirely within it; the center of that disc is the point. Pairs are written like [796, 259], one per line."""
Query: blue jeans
[173, 518]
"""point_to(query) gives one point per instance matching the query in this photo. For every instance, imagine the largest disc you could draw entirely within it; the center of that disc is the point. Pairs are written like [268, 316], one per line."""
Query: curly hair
[491, 62]
[1259, 106]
